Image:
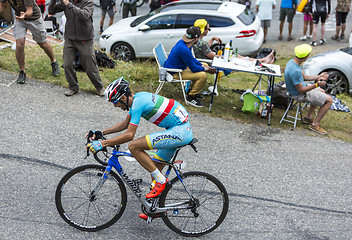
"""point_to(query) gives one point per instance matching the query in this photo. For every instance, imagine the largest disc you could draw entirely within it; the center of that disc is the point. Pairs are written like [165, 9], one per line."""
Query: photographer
[79, 35]
[28, 16]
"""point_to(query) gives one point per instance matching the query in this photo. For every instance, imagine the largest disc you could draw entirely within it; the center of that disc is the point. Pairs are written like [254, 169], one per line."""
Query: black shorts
[317, 15]
[341, 18]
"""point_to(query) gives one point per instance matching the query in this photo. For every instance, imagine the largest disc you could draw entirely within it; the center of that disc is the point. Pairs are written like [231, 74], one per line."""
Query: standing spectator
[321, 10]
[28, 16]
[287, 8]
[41, 5]
[107, 6]
[265, 10]
[154, 4]
[129, 6]
[312, 93]
[308, 21]
[181, 57]
[79, 35]
[342, 9]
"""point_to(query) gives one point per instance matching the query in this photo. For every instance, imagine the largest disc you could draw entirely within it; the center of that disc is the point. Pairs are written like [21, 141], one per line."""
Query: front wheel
[336, 83]
[77, 206]
[122, 51]
[204, 213]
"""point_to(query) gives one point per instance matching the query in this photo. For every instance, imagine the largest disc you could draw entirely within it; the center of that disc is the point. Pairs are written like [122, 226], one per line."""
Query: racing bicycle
[93, 197]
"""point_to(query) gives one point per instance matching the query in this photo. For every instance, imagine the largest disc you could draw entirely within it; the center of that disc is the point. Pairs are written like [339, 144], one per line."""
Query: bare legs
[20, 55]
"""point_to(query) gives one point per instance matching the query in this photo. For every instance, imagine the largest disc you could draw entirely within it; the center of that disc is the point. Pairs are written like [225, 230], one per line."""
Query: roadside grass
[143, 74]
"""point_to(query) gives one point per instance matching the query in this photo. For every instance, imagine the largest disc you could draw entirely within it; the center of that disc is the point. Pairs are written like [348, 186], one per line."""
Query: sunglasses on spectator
[208, 29]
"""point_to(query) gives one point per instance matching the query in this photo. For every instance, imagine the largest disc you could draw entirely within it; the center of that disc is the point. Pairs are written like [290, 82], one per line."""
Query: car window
[186, 20]
[198, 6]
[141, 19]
[163, 22]
[246, 17]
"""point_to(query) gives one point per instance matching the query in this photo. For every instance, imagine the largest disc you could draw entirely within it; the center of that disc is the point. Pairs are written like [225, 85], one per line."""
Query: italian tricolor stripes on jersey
[161, 109]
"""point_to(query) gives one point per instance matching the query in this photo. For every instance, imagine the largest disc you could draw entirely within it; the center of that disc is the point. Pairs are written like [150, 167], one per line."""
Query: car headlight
[105, 36]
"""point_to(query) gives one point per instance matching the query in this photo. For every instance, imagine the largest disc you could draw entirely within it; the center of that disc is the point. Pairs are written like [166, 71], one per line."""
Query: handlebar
[98, 136]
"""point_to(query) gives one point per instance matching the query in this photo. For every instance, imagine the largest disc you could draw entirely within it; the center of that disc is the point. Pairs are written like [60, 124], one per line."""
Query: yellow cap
[201, 23]
[303, 50]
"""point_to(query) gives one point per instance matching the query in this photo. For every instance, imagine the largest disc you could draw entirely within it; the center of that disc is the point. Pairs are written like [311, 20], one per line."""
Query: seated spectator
[202, 48]
[50, 17]
[181, 57]
[312, 93]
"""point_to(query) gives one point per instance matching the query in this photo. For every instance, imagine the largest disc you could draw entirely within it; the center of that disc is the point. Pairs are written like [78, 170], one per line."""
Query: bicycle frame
[150, 207]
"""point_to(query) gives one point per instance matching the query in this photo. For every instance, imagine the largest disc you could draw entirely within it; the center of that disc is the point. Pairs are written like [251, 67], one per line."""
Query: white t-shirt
[265, 9]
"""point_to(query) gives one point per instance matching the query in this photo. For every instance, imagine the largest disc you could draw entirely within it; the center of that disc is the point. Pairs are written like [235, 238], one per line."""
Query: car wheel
[336, 83]
[122, 51]
[216, 47]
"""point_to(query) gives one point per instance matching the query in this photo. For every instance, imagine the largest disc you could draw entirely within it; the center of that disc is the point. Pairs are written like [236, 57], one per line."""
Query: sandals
[322, 41]
[290, 38]
[280, 38]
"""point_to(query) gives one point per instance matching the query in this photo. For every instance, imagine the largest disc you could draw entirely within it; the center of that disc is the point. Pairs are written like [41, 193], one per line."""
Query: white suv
[135, 37]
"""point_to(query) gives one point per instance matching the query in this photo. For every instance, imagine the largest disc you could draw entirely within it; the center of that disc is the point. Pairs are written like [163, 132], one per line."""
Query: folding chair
[49, 27]
[160, 56]
[293, 103]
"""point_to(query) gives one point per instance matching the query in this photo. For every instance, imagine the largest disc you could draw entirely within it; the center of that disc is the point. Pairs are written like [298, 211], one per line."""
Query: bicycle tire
[212, 199]
[75, 206]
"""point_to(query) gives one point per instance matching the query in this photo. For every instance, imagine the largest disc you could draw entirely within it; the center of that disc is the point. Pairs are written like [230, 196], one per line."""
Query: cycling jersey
[166, 113]
[159, 110]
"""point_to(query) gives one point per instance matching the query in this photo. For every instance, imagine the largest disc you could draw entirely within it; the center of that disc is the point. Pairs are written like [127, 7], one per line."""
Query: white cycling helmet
[116, 90]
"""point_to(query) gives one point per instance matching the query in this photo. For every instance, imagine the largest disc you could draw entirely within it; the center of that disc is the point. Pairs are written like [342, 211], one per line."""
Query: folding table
[243, 65]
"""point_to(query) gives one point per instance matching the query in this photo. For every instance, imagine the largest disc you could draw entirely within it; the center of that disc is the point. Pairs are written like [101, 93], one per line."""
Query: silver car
[135, 37]
[337, 64]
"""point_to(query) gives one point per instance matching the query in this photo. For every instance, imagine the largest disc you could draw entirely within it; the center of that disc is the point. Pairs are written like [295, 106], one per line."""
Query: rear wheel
[77, 206]
[203, 214]
[336, 83]
[122, 51]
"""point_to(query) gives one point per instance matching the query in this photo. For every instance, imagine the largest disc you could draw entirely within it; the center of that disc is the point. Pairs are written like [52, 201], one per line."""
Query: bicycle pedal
[149, 219]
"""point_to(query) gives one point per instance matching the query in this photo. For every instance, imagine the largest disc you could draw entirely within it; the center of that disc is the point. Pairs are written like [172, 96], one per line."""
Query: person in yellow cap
[312, 93]
[202, 48]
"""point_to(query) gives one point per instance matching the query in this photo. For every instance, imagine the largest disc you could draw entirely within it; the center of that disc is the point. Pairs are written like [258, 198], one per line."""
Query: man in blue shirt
[304, 92]
[288, 8]
[181, 57]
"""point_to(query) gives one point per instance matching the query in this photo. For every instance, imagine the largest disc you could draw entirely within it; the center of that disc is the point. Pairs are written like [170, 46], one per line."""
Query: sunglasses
[209, 29]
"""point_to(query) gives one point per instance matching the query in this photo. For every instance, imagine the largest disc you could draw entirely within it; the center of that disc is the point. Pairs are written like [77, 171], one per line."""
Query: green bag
[251, 101]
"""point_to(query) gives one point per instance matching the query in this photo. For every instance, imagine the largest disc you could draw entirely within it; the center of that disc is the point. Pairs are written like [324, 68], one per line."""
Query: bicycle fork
[100, 183]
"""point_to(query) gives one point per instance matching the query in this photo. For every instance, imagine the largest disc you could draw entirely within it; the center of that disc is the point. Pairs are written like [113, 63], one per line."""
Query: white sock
[158, 176]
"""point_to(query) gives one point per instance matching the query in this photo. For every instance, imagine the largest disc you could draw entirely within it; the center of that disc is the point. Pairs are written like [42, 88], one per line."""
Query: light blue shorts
[169, 140]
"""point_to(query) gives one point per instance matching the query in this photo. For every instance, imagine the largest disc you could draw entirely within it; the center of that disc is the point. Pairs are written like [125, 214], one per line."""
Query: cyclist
[163, 112]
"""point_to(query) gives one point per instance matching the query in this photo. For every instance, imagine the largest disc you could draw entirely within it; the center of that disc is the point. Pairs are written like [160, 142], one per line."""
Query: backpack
[103, 60]
[263, 52]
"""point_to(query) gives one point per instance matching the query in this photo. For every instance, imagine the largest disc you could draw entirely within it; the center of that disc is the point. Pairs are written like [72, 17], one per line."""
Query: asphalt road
[281, 184]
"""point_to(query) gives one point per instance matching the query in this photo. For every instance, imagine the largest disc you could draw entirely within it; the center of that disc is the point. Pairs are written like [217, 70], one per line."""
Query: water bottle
[227, 52]
[231, 51]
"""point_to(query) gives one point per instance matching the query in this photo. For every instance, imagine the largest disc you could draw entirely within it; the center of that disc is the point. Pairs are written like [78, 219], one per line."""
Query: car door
[160, 30]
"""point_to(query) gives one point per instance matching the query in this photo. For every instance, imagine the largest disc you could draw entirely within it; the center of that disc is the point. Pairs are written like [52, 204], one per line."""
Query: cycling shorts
[169, 140]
